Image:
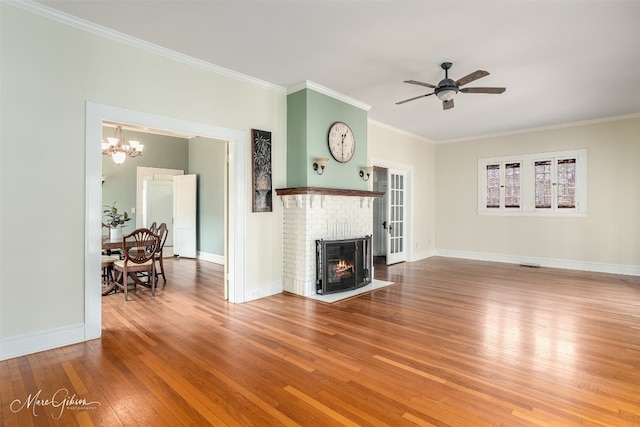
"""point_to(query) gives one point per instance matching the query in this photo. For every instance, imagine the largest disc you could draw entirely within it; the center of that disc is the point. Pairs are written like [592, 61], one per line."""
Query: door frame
[237, 142]
[387, 164]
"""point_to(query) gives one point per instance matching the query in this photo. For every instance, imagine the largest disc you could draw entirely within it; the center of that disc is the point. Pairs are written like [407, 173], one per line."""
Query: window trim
[527, 184]
[503, 165]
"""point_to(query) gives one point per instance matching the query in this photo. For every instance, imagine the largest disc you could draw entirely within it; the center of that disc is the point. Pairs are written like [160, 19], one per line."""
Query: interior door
[184, 219]
[396, 214]
[154, 199]
[159, 205]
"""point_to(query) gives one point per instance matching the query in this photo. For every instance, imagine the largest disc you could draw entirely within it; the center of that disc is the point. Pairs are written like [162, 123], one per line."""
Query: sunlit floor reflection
[518, 335]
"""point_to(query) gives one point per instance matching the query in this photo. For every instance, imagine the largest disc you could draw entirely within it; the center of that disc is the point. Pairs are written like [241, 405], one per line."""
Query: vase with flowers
[115, 220]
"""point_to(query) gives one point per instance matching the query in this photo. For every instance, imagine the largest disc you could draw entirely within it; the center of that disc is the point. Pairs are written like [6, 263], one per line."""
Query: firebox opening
[342, 265]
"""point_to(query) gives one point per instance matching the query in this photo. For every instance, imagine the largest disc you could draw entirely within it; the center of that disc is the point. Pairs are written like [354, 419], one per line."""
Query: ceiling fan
[447, 88]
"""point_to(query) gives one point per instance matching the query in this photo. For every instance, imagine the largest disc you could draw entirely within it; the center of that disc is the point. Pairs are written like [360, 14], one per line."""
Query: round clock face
[342, 143]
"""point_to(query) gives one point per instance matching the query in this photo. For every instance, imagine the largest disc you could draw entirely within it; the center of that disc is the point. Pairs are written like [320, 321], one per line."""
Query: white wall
[49, 71]
[390, 147]
[607, 239]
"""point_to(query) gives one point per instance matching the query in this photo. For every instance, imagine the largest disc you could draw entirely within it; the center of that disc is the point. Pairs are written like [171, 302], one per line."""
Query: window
[556, 184]
[512, 185]
[493, 186]
[533, 184]
[566, 183]
[543, 183]
[502, 185]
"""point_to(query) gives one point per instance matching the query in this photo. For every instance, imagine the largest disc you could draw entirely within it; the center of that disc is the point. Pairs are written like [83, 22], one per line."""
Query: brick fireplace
[312, 213]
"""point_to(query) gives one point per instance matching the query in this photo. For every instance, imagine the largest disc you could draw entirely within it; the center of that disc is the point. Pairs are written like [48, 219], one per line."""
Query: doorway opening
[157, 200]
[237, 142]
[391, 219]
[154, 199]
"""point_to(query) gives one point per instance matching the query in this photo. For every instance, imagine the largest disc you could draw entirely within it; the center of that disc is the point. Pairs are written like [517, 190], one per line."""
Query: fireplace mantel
[314, 213]
[295, 191]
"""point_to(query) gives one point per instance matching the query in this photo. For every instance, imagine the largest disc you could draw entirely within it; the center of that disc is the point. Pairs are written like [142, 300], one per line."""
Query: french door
[396, 216]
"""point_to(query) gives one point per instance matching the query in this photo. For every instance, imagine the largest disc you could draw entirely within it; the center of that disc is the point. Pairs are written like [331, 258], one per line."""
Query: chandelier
[118, 149]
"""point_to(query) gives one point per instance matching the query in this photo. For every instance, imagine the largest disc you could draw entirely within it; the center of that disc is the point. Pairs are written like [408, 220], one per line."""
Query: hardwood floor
[452, 343]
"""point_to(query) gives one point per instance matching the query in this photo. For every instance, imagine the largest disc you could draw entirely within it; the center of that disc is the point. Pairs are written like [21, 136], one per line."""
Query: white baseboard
[42, 340]
[263, 290]
[629, 270]
[417, 256]
[205, 256]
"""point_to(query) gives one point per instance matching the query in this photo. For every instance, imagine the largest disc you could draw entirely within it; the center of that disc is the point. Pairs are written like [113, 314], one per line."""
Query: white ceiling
[561, 61]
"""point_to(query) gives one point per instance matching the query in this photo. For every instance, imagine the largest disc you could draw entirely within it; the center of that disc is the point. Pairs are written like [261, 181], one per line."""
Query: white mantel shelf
[296, 191]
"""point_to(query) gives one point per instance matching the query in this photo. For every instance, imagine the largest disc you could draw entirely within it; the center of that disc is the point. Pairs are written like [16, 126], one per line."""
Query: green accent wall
[207, 161]
[309, 116]
[297, 139]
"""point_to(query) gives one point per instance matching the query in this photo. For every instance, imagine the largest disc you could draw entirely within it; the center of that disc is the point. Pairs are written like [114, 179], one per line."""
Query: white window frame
[503, 172]
[527, 185]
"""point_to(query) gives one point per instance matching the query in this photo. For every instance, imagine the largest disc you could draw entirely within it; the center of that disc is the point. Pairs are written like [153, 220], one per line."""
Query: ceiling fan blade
[415, 82]
[414, 98]
[446, 105]
[482, 89]
[471, 77]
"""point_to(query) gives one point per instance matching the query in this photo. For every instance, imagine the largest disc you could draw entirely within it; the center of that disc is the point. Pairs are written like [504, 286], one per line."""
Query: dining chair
[139, 257]
[154, 227]
[107, 274]
[163, 232]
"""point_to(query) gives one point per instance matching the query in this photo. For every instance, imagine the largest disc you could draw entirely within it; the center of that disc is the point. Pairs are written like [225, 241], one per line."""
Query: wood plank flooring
[451, 343]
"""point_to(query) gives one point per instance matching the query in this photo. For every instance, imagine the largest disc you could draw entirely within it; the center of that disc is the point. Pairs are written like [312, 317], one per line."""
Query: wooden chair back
[162, 232]
[141, 247]
[141, 244]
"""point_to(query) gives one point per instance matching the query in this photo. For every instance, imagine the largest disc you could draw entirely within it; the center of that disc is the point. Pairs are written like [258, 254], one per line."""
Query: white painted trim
[73, 21]
[264, 290]
[329, 92]
[40, 341]
[216, 259]
[629, 270]
[417, 256]
[238, 142]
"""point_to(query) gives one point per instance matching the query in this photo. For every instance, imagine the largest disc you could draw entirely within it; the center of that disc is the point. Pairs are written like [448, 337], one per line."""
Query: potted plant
[115, 220]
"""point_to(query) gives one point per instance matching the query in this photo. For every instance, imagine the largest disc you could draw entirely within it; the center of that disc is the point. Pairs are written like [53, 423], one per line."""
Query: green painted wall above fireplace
[310, 114]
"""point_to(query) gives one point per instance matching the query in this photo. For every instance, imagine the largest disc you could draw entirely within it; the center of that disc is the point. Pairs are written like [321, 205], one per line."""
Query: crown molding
[543, 128]
[307, 84]
[400, 131]
[117, 36]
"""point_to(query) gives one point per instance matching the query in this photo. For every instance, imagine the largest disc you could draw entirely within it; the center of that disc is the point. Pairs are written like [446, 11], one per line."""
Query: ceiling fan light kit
[447, 89]
[446, 93]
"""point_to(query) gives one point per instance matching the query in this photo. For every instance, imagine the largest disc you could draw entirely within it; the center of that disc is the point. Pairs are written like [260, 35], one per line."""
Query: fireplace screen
[342, 265]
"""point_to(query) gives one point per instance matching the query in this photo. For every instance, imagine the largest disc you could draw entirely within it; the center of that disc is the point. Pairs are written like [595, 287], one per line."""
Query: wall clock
[342, 143]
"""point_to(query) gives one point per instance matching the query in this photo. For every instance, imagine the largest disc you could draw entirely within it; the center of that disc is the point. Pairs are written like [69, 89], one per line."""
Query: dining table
[109, 244]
